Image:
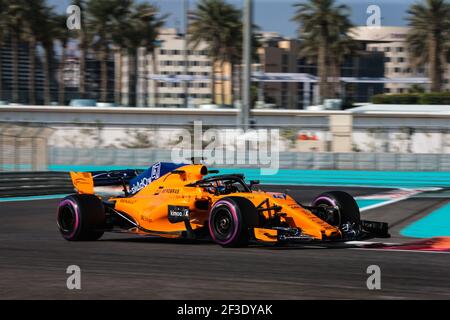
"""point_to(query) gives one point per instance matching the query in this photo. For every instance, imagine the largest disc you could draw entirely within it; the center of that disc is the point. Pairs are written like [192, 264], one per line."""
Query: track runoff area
[34, 259]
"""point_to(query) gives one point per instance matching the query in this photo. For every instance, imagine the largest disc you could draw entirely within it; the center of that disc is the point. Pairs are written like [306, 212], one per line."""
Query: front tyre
[230, 221]
[81, 217]
[345, 216]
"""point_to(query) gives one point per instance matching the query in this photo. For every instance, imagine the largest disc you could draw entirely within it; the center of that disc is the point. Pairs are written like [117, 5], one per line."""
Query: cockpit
[223, 185]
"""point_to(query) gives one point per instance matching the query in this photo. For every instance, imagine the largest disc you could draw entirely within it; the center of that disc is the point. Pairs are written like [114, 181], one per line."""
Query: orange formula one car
[189, 201]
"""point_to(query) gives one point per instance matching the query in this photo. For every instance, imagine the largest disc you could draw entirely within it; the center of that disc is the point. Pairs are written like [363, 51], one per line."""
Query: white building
[170, 60]
[392, 41]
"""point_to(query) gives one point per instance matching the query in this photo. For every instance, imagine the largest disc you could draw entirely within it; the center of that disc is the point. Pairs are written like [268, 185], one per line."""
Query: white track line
[400, 250]
[385, 203]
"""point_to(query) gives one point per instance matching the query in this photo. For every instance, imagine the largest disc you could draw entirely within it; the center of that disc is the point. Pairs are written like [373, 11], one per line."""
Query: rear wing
[116, 181]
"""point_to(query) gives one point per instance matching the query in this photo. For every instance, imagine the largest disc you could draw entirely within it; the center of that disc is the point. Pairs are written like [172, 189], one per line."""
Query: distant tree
[325, 34]
[102, 17]
[139, 29]
[83, 46]
[151, 23]
[3, 6]
[416, 88]
[35, 28]
[47, 33]
[13, 22]
[219, 25]
[63, 35]
[429, 38]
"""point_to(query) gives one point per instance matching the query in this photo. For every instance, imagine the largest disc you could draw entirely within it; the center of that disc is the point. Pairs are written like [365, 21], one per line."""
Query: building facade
[282, 55]
[71, 78]
[391, 41]
[69, 73]
[23, 79]
[174, 58]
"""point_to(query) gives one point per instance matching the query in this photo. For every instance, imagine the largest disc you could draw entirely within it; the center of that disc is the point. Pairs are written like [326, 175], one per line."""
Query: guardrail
[20, 184]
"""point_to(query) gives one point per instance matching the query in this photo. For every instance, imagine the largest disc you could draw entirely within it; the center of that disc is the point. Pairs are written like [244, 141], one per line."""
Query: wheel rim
[223, 223]
[325, 202]
[335, 219]
[67, 219]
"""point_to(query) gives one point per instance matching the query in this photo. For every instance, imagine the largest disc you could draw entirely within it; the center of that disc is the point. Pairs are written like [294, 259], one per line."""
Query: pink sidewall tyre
[230, 221]
[81, 217]
[348, 210]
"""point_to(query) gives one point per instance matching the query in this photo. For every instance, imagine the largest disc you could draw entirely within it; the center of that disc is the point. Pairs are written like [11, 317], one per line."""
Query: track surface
[34, 258]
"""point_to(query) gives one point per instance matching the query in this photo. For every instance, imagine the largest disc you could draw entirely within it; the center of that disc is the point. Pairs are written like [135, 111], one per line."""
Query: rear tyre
[347, 213]
[81, 217]
[231, 220]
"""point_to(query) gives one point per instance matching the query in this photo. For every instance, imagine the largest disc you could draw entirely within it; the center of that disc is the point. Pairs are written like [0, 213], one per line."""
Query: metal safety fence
[66, 158]
[41, 148]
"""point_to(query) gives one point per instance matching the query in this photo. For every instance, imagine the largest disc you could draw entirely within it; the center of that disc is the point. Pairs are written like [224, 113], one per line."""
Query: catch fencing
[62, 158]
[42, 148]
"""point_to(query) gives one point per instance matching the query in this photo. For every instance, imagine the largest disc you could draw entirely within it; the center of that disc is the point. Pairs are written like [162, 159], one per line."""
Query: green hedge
[435, 98]
[442, 98]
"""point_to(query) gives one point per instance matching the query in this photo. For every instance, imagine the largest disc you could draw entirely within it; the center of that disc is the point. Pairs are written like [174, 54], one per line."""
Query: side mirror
[254, 183]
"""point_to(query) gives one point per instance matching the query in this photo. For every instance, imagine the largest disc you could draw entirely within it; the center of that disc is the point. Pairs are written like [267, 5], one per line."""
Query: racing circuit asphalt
[34, 258]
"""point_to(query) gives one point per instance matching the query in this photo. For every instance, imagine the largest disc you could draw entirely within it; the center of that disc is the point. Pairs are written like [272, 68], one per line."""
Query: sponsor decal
[147, 177]
[278, 195]
[175, 191]
[153, 173]
[178, 214]
[127, 201]
[146, 219]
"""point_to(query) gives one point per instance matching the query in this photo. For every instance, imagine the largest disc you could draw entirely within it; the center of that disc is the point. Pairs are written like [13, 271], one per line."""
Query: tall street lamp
[247, 65]
[186, 55]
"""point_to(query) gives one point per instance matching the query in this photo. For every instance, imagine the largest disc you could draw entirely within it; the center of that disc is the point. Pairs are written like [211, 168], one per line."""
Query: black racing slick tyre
[347, 213]
[81, 217]
[231, 220]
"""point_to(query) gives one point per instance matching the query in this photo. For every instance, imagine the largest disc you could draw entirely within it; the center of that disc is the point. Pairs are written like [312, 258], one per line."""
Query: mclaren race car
[189, 201]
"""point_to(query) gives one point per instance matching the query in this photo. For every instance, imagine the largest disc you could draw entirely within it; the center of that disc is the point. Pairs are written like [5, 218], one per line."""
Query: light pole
[247, 65]
[186, 56]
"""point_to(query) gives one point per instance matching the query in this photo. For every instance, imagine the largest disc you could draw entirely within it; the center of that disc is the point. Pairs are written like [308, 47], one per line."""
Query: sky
[274, 15]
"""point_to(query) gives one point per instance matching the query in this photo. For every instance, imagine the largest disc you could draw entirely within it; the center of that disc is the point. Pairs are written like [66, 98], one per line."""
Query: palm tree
[140, 28]
[232, 44]
[118, 45]
[218, 24]
[2, 38]
[64, 35]
[47, 36]
[83, 39]
[13, 20]
[151, 25]
[429, 37]
[102, 18]
[234, 49]
[324, 30]
[34, 16]
[126, 35]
